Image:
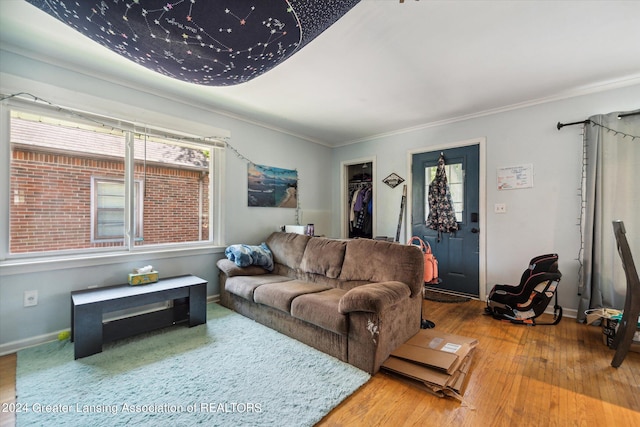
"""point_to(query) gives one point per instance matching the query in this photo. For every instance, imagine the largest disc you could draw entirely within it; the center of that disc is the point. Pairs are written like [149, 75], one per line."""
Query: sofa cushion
[380, 261]
[230, 268]
[321, 309]
[374, 297]
[280, 295]
[245, 286]
[323, 256]
[287, 248]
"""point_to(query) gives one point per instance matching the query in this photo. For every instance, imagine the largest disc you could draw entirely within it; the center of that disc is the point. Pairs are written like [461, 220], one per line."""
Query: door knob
[475, 230]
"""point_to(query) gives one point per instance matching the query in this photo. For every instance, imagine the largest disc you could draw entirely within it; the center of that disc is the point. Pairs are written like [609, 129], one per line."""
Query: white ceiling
[386, 67]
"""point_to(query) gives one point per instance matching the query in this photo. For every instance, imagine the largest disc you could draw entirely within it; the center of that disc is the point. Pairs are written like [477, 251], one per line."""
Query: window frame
[216, 172]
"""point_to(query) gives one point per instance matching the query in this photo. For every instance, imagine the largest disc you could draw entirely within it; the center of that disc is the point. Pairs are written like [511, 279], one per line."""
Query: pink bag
[430, 261]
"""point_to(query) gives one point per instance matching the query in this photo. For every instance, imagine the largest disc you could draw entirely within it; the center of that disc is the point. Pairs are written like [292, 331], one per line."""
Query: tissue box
[298, 229]
[143, 278]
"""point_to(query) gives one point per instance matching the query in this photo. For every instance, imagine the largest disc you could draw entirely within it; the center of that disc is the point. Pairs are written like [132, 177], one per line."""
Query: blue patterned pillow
[246, 255]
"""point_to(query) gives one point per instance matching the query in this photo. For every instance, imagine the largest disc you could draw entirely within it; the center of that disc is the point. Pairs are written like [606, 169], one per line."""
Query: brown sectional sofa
[356, 300]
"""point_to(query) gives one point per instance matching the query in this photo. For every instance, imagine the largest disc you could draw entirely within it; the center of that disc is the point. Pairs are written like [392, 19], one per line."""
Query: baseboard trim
[566, 312]
[15, 346]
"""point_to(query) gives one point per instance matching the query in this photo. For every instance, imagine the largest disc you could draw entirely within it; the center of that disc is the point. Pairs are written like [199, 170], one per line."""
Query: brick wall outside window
[171, 204]
[50, 206]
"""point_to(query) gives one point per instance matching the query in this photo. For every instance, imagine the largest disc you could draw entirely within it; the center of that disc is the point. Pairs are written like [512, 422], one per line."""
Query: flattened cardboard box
[435, 361]
[415, 375]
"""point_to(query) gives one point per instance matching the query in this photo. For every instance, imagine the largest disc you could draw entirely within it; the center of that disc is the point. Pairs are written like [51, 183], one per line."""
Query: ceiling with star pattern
[213, 43]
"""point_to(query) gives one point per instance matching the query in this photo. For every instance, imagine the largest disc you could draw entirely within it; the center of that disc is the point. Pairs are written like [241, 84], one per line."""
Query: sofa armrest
[230, 268]
[373, 297]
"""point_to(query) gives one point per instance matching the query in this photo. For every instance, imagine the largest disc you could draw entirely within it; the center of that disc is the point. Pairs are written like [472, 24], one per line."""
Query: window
[108, 210]
[79, 184]
[176, 190]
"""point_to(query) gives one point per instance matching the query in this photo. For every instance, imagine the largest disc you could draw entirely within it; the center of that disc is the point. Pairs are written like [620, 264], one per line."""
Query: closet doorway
[358, 199]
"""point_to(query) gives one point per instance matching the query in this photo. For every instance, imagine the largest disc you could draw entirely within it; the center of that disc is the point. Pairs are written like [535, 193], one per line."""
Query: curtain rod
[620, 116]
[561, 125]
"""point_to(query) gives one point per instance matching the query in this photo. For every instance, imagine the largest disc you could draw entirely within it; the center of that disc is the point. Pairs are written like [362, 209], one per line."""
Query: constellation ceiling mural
[206, 42]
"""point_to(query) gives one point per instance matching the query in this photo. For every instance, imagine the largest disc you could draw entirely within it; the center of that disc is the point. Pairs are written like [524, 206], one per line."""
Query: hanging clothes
[360, 212]
[442, 216]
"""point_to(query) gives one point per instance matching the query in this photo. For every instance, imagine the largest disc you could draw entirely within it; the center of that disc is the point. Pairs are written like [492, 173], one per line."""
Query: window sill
[62, 262]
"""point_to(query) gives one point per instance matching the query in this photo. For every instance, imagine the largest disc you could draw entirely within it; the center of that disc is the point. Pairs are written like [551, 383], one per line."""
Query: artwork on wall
[393, 180]
[272, 187]
[515, 177]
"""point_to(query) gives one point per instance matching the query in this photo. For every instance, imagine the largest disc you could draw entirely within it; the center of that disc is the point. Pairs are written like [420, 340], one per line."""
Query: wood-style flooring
[520, 376]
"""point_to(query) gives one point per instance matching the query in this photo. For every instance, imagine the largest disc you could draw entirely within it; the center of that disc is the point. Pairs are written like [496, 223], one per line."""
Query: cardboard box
[433, 361]
[609, 329]
[609, 318]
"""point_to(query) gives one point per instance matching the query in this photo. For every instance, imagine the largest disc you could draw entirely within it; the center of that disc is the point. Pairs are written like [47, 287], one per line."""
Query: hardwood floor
[7, 389]
[521, 376]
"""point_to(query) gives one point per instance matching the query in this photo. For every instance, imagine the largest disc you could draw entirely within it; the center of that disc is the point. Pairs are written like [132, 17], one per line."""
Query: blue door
[458, 253]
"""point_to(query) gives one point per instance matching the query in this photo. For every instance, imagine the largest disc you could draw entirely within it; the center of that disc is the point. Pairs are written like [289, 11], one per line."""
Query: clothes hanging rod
[584, 122]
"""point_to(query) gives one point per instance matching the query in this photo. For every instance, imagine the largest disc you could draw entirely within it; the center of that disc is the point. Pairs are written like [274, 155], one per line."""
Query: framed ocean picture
[272, 187]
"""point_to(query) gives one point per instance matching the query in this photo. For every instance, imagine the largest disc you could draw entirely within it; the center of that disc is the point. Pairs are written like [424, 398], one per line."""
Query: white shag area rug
[230, 371]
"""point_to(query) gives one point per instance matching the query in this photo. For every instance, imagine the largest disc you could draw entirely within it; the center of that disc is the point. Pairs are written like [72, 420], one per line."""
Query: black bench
[89, 331]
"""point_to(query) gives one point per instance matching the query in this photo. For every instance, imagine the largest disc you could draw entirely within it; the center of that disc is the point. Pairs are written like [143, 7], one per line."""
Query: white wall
[20, 326]
[539, 220]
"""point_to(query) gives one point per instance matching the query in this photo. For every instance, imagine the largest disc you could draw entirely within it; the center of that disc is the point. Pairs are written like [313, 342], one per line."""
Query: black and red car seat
[524, 302]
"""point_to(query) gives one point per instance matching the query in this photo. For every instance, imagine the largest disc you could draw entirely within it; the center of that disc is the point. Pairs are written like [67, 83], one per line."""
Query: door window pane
[455, 179]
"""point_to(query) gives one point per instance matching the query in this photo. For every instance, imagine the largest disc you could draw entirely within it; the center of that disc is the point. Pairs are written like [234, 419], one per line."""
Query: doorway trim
[344, 180]
[482, 197]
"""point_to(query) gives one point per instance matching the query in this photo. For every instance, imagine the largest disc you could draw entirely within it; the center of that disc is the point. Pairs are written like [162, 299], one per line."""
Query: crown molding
[626, 81]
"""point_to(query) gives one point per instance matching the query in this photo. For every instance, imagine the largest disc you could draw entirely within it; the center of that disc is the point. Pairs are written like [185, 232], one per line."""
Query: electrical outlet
[500, 208]
[30, 298]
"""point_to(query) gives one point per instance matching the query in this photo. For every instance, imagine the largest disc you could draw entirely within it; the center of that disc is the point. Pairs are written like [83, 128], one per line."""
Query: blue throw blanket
[246, 255]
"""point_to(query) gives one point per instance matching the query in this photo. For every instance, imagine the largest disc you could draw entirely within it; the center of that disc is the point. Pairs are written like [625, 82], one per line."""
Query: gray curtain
[611, 191]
